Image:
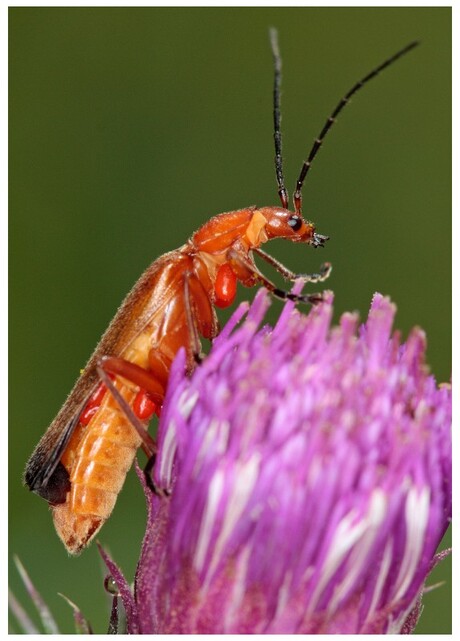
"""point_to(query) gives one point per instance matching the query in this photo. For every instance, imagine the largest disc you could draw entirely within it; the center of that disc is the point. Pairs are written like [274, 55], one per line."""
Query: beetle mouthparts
[319, 240]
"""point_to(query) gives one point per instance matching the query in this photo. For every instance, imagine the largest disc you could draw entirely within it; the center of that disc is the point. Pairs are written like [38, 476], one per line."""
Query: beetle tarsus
[148, 475]
[287, 274]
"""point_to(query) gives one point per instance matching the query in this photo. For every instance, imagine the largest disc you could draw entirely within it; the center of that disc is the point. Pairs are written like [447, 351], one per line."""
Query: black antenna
[332, 118]
[282, 191]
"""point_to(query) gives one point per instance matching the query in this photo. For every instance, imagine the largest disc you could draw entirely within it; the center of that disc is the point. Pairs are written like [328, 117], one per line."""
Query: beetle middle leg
[190, 314]
[200, 315]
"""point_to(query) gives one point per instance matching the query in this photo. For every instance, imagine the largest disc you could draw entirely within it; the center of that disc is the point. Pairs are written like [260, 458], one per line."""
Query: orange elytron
[80, 464]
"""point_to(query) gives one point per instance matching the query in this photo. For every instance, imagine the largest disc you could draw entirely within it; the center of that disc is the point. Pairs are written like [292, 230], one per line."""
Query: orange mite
[80, 464]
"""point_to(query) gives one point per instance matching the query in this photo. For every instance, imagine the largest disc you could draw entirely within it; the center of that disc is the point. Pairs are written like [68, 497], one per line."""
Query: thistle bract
[310, 479]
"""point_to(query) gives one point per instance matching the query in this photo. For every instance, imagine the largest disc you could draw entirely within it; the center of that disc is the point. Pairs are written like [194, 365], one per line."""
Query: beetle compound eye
[295, 222]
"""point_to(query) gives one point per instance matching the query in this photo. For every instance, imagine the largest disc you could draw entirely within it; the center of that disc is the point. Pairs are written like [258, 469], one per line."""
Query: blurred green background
[129, 127]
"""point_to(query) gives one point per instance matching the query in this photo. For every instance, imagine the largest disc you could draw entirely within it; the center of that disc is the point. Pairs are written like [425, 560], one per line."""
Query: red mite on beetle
[80, 464]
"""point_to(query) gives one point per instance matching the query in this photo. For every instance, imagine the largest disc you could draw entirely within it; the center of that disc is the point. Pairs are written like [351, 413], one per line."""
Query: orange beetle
[80, 464]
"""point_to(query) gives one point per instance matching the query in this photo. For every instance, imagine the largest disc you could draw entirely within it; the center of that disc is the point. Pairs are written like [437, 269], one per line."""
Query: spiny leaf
[48, 622]
[82, 626]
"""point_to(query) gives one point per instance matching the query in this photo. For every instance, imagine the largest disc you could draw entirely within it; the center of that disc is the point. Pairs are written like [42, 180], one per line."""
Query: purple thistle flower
[310, 478]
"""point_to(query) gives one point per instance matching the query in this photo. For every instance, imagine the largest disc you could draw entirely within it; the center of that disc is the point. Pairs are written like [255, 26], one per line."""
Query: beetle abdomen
[100, 463]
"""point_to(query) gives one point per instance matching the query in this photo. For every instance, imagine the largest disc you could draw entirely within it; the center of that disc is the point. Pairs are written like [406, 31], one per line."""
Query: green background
[131, 127]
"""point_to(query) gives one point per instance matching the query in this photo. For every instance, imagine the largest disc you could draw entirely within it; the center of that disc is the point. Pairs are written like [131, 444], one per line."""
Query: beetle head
[282, 223]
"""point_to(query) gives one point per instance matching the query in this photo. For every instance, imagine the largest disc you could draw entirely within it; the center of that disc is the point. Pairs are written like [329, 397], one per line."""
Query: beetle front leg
[319, 277]
[244, 266]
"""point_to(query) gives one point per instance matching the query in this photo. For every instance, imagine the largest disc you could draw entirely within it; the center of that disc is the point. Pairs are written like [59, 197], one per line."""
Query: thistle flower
[309, 472]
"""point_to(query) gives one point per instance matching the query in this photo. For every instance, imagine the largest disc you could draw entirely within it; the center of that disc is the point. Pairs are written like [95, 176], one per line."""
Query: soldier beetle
[80, 464]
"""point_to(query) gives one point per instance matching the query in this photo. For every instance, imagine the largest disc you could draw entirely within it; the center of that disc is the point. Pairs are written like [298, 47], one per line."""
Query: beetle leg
[111, 365]
[287, 274]
[244, 264]
[149, 444]
[148, 473]
[192, 324]
[201, 318]
[134, 373]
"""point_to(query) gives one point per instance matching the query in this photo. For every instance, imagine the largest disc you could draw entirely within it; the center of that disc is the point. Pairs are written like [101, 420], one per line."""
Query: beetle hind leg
[148, 475]
[148, 382]
[110, 365]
